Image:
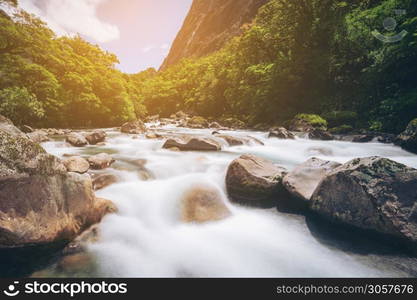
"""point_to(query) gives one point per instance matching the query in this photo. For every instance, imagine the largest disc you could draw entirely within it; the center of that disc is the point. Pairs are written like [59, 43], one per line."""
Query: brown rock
[100, 161]
[189, 143]
[96, 137]
[101, 181]
[135, 127]
[76, 164]
[76, 139]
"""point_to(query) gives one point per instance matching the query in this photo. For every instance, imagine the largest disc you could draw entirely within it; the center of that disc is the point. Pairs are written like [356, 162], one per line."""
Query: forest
[304, 56]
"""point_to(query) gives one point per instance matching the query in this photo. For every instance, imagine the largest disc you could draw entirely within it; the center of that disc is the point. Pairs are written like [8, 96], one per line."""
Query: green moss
[314, 120]
[343, 129]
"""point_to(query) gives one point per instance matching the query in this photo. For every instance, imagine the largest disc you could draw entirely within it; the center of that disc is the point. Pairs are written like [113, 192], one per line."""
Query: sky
[139, 32]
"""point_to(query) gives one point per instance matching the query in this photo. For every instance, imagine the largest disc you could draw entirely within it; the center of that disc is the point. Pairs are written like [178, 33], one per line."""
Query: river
[147, 239]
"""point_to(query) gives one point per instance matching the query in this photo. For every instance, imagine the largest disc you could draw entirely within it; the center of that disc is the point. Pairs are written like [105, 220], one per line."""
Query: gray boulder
[254, 181]
[38, 136]
[374, 194]
[76, 139]
[100, 161]
[76, 164]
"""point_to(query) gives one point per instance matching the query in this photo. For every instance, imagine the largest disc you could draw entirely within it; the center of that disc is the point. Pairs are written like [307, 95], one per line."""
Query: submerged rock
[190, 143]
[101, 181]
[135, 127]
[408, 139]
[76, 164]
[96, 137]
[304, 179]
[76, 139]
[203, 204]
[373, 193]
[100, 161]
[232, 140]
[281, 133]
[254, 181]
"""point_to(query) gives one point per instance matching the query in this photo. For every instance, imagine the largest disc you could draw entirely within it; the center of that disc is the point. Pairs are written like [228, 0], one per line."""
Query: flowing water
[147, 239]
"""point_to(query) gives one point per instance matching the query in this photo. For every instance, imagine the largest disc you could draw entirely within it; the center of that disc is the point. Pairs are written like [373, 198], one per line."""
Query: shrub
[339, 118]
[314, 120]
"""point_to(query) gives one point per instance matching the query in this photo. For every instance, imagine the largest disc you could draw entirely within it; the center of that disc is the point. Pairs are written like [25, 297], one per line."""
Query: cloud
[70, 17]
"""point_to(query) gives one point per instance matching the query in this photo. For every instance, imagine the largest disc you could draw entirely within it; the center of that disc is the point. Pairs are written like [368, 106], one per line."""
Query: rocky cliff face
[209, 25]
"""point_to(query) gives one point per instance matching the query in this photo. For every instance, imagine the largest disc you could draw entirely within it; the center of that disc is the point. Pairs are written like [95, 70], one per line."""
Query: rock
[232, 140]
[366, 138]
[189, 143]
[100, 161]
[101, 181]
[7, 126]
[374, 194]
[27, 129]
[98, 136]
[135, 127]
[254, 181]
[203, 204]
[153, 136]
[197, 123]
[319, 134]
[76, 139]
[38, 136]
[152, 119]
[281, 133]
[76, 164]
[307, 123]
[41, 205]
[304, 179]
[408, 139]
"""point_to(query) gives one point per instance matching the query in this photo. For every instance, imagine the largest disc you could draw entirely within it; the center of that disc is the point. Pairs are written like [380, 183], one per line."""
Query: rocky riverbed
[193, 202]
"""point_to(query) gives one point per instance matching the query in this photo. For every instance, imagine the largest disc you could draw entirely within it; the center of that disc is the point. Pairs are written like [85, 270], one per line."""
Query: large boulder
[203, 204]
[304, 179]
[76, 164]
[100, 161]
[254, 181]
[76, 139]
[374, 194]
[281, 133]
[190, 143]
[101, 181]
[408, 139]
[41, 204]
[7, 126]
[98, 136]
[135, 127]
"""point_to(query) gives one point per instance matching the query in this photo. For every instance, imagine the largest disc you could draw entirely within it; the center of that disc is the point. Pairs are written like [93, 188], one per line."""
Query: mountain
[209, 24]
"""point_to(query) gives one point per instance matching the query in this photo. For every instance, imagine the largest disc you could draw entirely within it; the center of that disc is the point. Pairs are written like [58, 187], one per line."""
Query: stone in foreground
[203, 204]
[254, 181]
[304, 179]
[374, 194]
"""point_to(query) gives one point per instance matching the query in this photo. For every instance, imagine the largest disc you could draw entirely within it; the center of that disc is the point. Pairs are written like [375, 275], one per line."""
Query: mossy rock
[308, 122]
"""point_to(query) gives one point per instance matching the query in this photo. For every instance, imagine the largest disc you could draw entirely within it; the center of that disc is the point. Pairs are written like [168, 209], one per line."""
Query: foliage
[314, 120]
